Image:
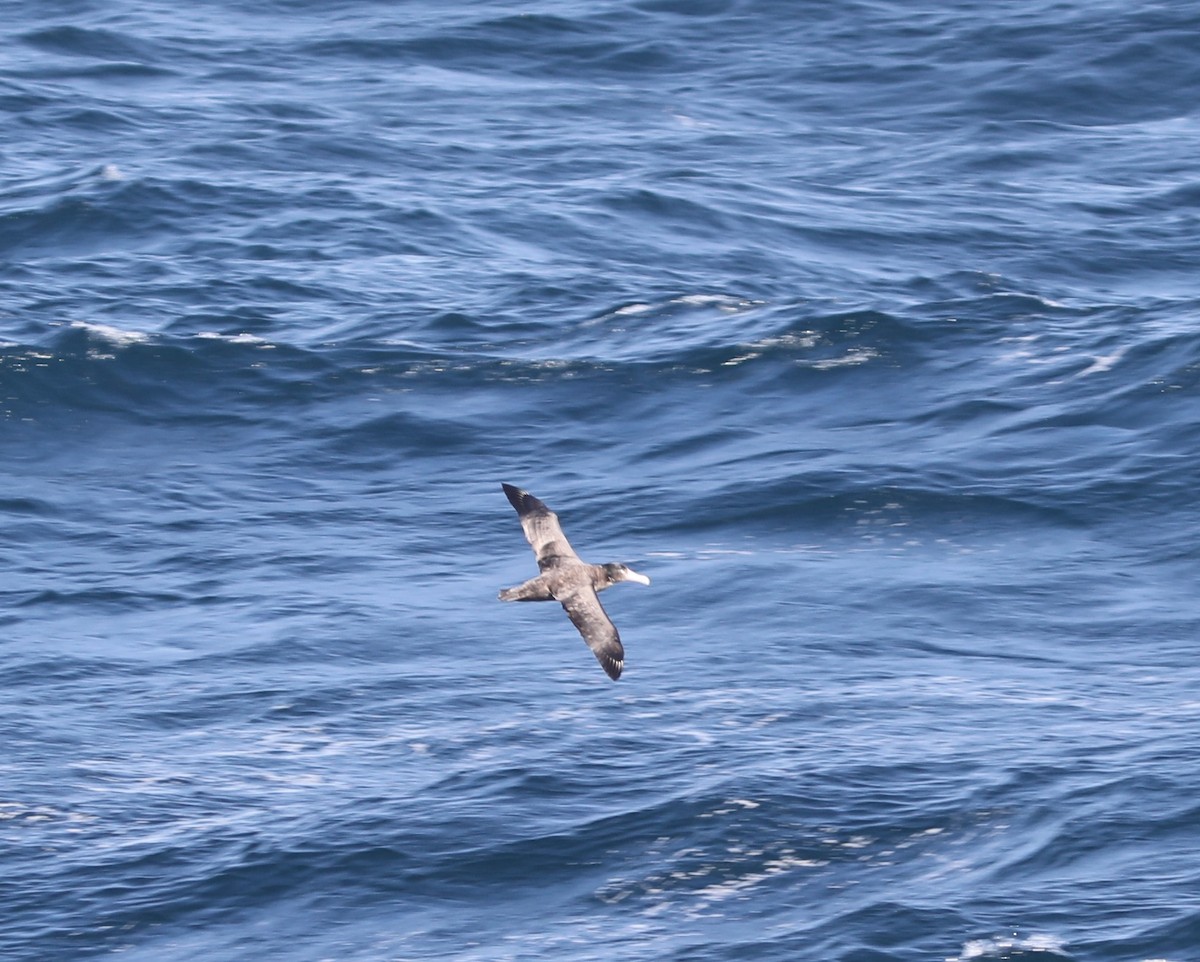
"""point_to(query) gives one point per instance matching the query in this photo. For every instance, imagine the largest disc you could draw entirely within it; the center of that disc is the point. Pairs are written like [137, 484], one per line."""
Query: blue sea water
[870, 331]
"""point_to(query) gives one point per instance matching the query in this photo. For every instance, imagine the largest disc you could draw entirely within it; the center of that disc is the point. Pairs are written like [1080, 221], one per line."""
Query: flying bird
[569, 580]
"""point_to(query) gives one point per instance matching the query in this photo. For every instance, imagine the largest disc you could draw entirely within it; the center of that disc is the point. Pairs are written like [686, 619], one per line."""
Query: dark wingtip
[523, 501]
[516, 497]
[611, 666]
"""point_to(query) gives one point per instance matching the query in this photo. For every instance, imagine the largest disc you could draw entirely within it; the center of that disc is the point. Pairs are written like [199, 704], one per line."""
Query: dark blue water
[870, 331]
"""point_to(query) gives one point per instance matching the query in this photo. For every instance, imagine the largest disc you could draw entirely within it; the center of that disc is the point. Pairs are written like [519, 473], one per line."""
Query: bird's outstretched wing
[541, 527]
[588, 615]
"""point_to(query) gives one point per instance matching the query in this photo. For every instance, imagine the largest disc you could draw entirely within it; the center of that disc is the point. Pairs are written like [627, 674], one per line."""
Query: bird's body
[569, 580]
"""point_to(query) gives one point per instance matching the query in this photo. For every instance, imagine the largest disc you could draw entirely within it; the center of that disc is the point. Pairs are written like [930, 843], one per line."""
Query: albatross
[569, 580]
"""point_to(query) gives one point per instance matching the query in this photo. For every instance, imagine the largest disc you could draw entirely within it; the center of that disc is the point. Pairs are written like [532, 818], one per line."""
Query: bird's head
[616, 573]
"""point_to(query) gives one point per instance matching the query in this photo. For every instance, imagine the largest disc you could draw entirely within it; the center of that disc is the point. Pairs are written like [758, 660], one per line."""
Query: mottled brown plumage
[570, 581]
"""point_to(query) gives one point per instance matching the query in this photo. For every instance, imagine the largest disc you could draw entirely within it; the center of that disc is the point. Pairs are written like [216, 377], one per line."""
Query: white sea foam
[114, 335]
[1004, 946]
[242, 338]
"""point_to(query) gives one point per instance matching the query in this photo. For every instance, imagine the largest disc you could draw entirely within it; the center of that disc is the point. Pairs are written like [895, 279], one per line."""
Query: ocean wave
[969, 407]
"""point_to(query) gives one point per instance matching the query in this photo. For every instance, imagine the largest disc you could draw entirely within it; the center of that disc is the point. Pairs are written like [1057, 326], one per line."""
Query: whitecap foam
[114, 335]
[242, 338]
[1004, 946]
[725, 303]
[852, 358]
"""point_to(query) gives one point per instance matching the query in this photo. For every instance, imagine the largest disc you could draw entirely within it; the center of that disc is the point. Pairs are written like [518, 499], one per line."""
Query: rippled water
[868, 331]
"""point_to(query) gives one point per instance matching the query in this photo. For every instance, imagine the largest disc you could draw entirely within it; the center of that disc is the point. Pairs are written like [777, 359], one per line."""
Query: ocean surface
[870, 331]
